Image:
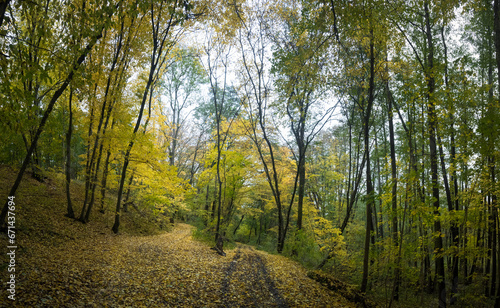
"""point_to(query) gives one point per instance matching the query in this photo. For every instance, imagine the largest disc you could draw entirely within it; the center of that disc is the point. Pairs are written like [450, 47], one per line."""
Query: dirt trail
[256, 286]
[167, 270]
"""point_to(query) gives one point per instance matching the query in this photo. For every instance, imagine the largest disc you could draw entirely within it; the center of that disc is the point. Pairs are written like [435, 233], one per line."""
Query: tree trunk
[431, 114]
[71, 213]
[107, 107]
[157, 60]
[88, 163]
[219, 180]
[104, 179]
[394, 203]
[238, 225]
[207, 206]
[379, 183]
[451, 205]
[302, 183]
[453, 227]
[46, 114]
[369, 186]
[127, 194]
[99, 157]
[496, 23]
[3, 7]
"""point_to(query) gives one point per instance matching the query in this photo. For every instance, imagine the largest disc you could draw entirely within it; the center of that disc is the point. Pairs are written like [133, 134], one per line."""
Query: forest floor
[167, 270]
[61, 262]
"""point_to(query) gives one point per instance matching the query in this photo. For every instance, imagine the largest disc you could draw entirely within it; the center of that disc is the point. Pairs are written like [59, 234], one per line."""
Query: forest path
[167, 270]
[247, 275]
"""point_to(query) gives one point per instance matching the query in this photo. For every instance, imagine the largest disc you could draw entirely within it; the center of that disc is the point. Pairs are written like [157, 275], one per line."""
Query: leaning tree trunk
[3, 8]
[46, 114]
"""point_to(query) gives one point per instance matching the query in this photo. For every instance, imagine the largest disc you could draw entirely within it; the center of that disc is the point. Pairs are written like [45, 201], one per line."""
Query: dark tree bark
[238, 225]
[258, 89]
[127, 194]
[380, 224]
[369, 186]
[496, 26]
[88, 165]
[107, 107]
[3, 8]
[431, 118]
[46, 115]
[161, 46]
[207, 206]
[394, 202]
[96, 171]
[452, 206]
[70, 213]
[352, 197]
[104, 180]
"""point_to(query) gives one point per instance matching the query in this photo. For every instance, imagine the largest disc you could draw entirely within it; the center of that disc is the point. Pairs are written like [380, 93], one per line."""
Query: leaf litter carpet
[167, 270]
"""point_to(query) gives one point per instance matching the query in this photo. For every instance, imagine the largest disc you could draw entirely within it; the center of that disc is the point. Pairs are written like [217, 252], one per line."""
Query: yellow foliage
[329, 238]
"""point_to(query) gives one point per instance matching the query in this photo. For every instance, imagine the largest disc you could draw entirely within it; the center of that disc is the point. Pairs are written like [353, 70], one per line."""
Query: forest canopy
[357, 137]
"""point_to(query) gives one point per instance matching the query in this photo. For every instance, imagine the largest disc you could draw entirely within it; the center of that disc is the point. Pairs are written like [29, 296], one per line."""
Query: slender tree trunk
[88, 163]
[493, 228]
[496, 26]
[214, 201]
[99, 157]
[107, 107]
[70, 213]
[379, 183]
[451, 205]
[354, 193]
[369, 186]
[3, 8]
[302, 183]
[219, 180]
[207, 206]
[46, 114]
[127, 194]
[431, 113]
[104, 180]
[394, 202]
[258, 91]
[453, 228]
[238, 225]
[479, 241]
[160, 44]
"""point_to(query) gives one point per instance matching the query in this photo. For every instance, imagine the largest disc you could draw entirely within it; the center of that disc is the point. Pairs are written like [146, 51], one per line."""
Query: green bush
[304, 249]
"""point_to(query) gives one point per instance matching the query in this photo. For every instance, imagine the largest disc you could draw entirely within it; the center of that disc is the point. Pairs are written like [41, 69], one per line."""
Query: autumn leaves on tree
[360, 138]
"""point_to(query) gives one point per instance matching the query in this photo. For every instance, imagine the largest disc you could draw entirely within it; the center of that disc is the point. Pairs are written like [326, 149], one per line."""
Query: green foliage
[304, 249]
[302, 61]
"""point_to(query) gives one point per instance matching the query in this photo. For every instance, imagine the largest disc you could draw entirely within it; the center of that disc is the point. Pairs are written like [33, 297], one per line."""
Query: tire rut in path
[247, 283]
[228, 272]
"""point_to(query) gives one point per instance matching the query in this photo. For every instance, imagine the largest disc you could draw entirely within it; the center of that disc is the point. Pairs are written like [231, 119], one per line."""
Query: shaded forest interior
[360, 139]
